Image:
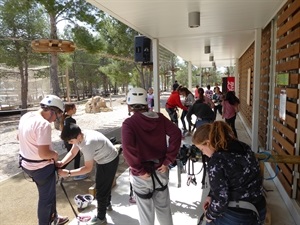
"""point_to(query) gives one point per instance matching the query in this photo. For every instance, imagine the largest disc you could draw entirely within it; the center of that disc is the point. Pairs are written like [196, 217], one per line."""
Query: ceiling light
[207, 49]
[194, 19]
[211, 58]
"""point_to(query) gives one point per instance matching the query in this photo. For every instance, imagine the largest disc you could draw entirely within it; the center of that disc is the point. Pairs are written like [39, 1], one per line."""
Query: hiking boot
[96, 221]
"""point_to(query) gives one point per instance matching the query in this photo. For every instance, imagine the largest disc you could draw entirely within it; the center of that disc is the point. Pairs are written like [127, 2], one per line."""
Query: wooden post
[290, 159]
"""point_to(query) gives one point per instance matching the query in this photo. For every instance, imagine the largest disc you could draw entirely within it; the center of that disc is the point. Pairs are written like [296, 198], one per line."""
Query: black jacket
[201, 110]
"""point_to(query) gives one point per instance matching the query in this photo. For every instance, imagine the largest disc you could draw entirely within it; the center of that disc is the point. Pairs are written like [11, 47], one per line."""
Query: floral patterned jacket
[234, 174]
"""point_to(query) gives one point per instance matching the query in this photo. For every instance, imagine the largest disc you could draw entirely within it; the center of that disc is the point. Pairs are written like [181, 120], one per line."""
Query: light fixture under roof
[207, 49]
[194, 19]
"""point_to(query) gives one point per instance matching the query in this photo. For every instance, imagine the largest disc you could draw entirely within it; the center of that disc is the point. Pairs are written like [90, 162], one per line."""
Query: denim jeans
[45, 181]
[201, 122]
[239, 217]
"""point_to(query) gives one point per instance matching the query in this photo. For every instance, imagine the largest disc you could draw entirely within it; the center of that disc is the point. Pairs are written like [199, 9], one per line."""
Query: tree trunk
[54, 60]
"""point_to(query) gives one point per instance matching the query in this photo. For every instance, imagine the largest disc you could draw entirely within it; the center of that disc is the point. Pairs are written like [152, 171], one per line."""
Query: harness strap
[29, 160]
[150, 194]
[243, 205]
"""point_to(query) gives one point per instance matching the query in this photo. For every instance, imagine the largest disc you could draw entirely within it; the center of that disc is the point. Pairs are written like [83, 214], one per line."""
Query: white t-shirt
[34, 130]
[98, 147]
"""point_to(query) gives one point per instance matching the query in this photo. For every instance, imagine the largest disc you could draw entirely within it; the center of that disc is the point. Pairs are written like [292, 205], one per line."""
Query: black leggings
[182, 118]
[173, 115]
[76, 158]
[231, 123]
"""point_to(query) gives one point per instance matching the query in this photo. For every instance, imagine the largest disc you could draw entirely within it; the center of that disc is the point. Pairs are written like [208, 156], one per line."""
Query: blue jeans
[45, 181]
[239, 217]
[201, 122]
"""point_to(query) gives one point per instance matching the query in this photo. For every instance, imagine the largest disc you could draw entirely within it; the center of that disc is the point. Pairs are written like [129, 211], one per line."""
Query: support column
[237, 78]
[156, 86]
[190, 76]
[256, 88]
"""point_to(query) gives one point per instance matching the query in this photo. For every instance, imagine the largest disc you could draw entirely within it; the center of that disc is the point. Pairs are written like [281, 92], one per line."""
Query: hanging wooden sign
[52, 45]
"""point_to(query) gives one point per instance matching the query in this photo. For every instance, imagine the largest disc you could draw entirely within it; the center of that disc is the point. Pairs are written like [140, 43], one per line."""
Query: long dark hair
[231, 98]
[68, 106]
[201, 94]
[186, 91]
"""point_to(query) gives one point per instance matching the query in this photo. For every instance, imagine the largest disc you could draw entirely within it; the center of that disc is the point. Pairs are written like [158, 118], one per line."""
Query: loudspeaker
[142, 52]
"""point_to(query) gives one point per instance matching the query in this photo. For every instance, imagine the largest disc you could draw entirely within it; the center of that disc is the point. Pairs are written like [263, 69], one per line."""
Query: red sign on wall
[230, 84]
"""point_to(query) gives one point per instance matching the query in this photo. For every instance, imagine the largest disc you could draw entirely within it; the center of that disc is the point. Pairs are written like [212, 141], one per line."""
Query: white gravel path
[103, 122]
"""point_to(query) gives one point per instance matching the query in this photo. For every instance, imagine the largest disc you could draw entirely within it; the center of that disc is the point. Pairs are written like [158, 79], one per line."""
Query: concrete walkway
[18, 197]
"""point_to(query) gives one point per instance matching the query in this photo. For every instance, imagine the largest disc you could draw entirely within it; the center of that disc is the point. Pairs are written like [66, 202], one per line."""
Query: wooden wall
[287, 52]
[246, 63]
[287, 61]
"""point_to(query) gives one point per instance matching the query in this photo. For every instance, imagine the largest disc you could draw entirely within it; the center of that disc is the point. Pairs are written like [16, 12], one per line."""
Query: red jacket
[174, 101]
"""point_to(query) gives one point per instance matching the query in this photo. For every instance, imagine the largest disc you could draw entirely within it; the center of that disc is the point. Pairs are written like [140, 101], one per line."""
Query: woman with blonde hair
[236, 191]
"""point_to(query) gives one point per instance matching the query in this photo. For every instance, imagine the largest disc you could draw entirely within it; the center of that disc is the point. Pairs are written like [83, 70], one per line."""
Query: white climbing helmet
[137, 96]
[52, 101]
[83, 201]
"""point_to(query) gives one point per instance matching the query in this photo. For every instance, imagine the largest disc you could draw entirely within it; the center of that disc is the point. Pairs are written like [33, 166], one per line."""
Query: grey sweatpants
[159, 203]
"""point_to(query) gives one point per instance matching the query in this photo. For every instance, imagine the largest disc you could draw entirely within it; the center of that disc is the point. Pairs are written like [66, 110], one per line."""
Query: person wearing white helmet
[149, 153]
[37, 157]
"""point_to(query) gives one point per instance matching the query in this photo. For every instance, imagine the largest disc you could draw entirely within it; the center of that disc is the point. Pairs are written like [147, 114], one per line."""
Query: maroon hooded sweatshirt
[144, 139]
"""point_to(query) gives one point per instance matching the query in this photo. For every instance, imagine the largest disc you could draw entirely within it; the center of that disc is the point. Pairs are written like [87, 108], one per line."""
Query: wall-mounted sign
[230, 84]
[282, 104]
[282, 79]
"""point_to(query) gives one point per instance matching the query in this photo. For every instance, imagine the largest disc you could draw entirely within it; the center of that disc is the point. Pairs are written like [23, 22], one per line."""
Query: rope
[269, 155]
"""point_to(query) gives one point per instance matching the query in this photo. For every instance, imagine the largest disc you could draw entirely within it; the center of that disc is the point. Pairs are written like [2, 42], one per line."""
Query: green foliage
[20, 22]
[84, 39]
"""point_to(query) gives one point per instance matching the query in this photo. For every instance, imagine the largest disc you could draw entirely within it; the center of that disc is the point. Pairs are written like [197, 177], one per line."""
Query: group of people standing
[150, 144]
[203, 104]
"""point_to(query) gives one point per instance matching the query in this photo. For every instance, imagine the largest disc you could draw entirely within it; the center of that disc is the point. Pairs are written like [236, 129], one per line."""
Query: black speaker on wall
[142, 46]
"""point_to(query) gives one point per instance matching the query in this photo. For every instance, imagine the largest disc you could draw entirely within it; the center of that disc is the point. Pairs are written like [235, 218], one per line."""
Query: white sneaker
[96, 221]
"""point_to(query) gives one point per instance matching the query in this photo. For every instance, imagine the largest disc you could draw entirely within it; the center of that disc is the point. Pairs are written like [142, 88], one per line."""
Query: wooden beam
[293, 159]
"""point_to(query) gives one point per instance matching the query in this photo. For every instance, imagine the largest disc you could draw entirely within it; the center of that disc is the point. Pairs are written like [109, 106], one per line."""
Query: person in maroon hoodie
[149, 152]
[173, 103]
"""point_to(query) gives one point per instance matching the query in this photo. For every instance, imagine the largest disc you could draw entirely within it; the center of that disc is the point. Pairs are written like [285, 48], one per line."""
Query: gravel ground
[103, 122]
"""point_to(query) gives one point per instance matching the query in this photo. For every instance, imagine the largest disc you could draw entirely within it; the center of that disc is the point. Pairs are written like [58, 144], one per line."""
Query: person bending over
[95, 147]
[236, 191]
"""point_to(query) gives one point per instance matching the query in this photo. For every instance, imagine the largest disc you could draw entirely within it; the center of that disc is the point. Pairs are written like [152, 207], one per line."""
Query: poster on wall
[282, 79]
[282, 104]
[230, 84]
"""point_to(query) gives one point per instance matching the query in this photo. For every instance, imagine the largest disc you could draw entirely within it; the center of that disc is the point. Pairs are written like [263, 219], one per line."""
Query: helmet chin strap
[51, 114]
